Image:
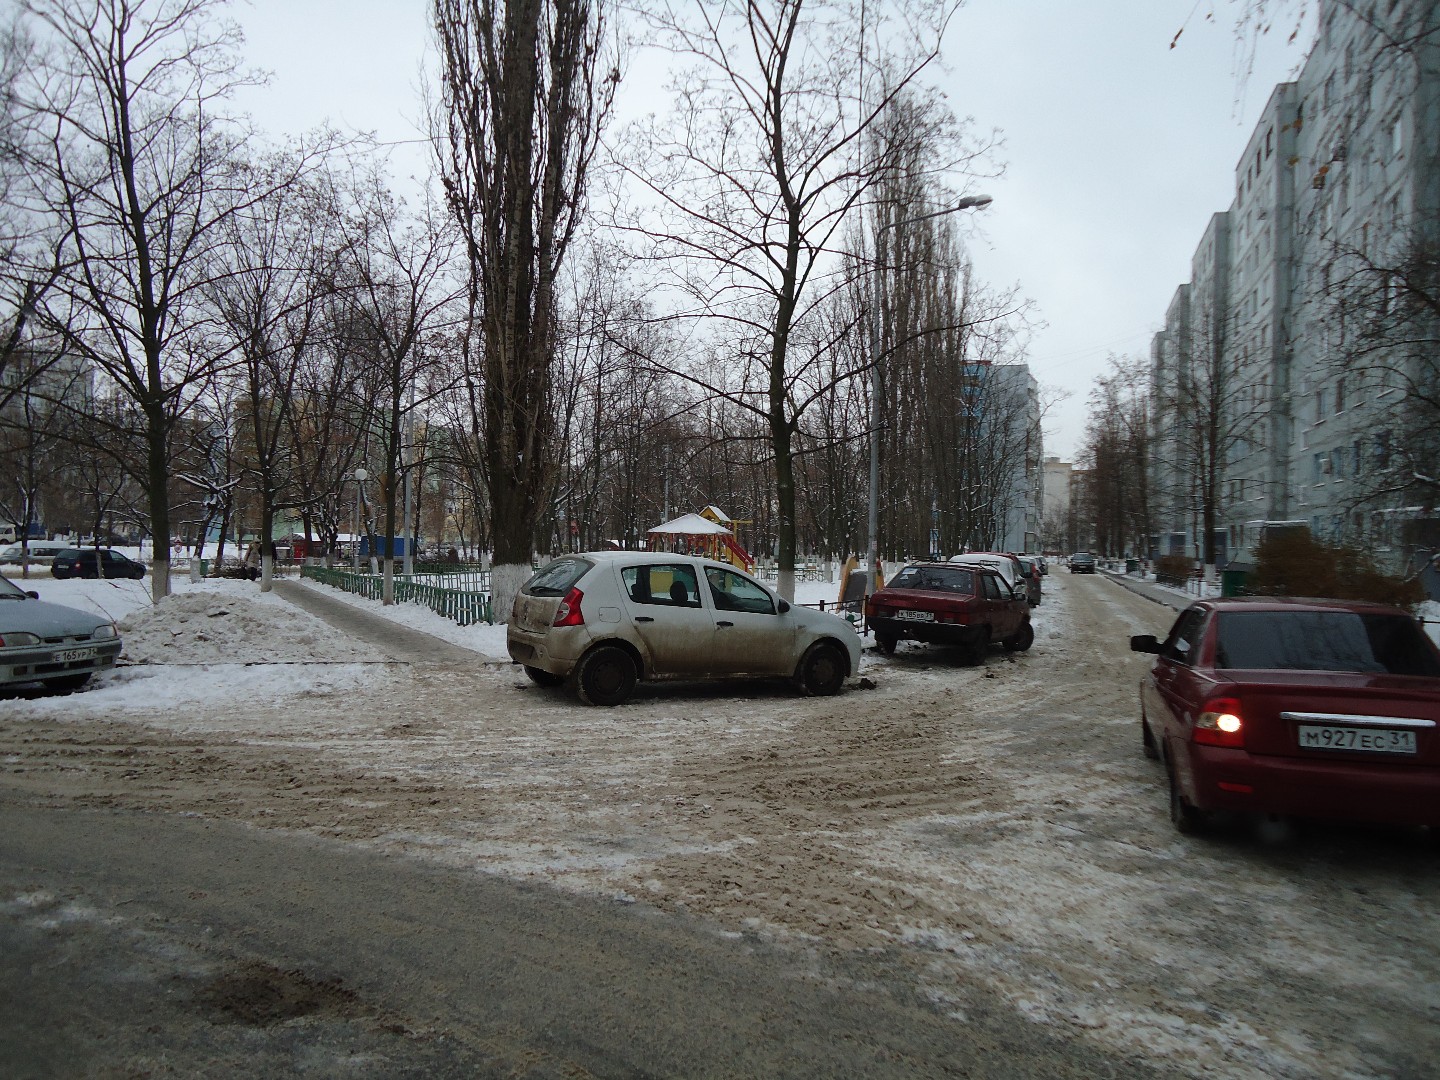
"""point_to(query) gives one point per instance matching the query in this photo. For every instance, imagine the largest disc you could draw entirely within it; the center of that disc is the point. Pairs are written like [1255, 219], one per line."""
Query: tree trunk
[158, 477]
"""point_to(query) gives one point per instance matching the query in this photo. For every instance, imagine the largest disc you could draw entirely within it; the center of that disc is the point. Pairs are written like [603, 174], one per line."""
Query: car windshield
[10, 591]
[938, 578]
[1323, 641]
[556, 578]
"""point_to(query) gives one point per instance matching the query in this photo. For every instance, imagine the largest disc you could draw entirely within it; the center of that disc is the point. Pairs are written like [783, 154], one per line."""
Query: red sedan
[968, 606]
[1291, 707]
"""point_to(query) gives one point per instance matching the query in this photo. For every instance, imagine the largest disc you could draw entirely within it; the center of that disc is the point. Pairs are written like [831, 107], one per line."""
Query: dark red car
[945, 604]
[1295, 707]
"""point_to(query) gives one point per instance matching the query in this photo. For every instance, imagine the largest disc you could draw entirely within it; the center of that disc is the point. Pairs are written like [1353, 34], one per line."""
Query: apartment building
[1017, 443]
[1277, 396]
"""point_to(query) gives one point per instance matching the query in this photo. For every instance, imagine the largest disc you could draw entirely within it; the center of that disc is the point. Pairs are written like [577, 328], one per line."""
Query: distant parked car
[1003, 563]
[948, 604]
[41, 551]
[1030, 575]
[1082, 562]
[1305, 708]
[60, 647]
[95, 563]
[604, 620]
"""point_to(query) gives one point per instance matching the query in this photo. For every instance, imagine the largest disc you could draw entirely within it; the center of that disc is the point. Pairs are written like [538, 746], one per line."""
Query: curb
[1138, 590]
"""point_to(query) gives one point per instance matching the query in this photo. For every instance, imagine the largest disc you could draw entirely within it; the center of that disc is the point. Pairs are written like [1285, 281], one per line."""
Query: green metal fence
[464, 605]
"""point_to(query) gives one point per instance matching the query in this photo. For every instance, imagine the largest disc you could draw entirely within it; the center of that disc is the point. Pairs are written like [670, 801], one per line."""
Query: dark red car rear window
[937, 578]
[1323, 641]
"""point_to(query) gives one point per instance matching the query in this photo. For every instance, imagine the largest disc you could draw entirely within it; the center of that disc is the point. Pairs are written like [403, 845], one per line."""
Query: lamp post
[969, 202]
[360, 477]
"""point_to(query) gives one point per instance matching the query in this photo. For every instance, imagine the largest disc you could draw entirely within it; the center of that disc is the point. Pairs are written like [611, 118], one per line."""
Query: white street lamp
[360, 477]
[969, 202]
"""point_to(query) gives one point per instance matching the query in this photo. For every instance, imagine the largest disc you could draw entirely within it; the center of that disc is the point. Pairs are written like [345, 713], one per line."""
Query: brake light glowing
[568, 613]
[1220, 723]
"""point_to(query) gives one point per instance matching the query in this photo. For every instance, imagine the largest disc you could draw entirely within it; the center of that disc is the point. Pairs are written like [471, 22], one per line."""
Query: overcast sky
[1118, 147]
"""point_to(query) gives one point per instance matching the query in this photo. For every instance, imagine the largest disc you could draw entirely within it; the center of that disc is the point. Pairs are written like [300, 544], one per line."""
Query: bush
[1174, 569]
[1291, 562]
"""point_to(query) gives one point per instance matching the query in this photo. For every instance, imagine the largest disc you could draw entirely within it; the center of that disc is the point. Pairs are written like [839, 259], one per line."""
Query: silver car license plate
[916, 616]
[1370, 740]
[69, 656]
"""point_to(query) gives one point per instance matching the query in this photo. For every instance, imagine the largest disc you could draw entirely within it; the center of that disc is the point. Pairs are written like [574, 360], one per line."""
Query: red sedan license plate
[1372, 740]
[916, 616]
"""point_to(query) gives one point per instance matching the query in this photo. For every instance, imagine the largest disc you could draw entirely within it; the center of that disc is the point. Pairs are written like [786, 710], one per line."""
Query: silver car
[602, 621]
[60, 647]
[41, 551]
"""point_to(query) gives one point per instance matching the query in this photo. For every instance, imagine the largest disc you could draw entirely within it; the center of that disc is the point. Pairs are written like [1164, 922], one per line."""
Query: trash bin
[1132, 566]
[1232, 582]
[204, 567]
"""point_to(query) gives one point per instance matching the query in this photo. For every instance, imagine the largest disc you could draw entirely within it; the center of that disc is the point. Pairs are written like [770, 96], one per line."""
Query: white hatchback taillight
[568, 613]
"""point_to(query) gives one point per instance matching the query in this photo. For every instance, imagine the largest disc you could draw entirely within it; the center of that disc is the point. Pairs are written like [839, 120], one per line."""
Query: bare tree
[32, 431]
[758, 175]
[29, 241]
[524, 92]
[270, 302]
[141, 169]
[400, 296]
[1116, 452]
[1382, 312]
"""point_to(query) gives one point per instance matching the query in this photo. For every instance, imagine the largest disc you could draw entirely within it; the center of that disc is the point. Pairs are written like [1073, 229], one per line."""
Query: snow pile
[203, 627]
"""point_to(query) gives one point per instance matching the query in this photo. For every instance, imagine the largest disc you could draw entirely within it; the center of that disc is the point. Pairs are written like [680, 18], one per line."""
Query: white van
[41, 551]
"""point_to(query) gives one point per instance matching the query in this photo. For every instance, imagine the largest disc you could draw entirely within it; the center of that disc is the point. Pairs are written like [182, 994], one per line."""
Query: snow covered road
[992, 830]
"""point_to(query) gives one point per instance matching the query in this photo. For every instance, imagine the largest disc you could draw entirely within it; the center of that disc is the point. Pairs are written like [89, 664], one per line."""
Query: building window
[1320, 412]
[1319, 462]
[1397, 137]
[1340, 394]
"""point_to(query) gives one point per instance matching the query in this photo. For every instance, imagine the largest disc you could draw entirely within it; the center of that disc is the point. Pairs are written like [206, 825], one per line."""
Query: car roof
[984, 568]
[1297, 603]
[626, 558]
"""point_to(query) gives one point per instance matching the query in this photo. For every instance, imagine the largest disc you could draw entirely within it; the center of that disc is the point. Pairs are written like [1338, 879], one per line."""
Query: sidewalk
[1160, 594]
[399, 642]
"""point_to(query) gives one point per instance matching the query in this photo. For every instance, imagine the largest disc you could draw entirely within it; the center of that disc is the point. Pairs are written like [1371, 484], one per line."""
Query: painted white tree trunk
[160, 574]
[505, 582]
[785, 585]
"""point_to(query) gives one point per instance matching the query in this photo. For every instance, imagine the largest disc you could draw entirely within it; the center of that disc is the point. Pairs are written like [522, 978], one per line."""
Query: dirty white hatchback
[602, 621]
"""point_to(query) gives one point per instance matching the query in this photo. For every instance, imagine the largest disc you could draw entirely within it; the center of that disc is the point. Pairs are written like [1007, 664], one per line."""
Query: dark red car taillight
[568, 613]
[1220, 723]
